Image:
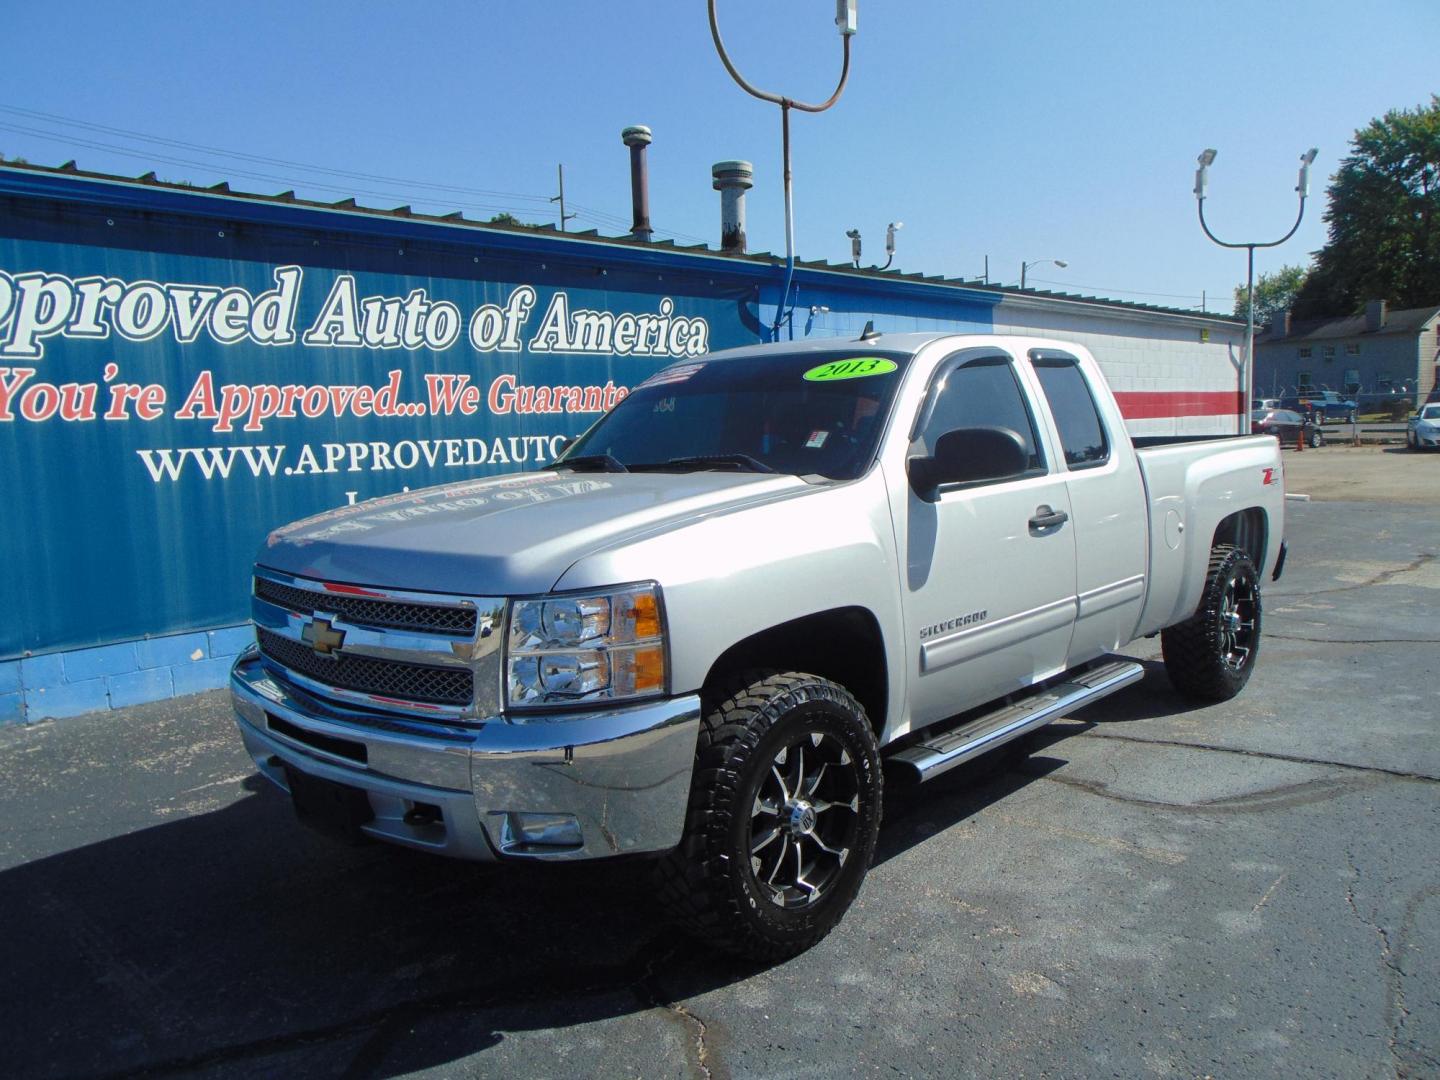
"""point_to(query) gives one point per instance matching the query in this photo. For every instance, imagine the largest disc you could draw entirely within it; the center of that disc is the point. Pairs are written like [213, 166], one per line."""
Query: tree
[505, 218]
[1384, 219]
[1274, 294]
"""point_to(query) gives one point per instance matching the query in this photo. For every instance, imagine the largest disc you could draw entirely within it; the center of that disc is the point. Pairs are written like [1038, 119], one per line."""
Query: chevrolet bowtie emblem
[322, 637]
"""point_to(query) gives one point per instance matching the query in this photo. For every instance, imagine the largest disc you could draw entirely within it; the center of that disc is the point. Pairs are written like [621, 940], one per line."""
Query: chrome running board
[942, 751]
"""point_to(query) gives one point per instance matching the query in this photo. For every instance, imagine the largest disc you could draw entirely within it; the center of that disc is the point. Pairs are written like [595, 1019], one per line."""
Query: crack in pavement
[1429, 1063]
[652, 998]
[1299, 759]
[388, 1023]
[1350, 641]
[1382, 578]
[1283, 797]
[1395, 1010]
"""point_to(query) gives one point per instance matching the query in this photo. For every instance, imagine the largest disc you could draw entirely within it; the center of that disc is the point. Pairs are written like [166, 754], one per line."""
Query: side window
[1082, 435]
[981, 393]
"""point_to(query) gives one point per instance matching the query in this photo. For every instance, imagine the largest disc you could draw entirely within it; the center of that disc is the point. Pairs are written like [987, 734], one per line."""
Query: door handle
[1046, 518]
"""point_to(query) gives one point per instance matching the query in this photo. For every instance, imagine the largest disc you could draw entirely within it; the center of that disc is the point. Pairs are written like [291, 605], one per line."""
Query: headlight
[604, 646]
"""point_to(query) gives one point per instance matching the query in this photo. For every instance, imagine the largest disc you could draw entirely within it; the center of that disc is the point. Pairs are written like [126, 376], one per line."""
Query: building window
[1352, 349]
[1328, 352]
[1302, 380]
[1305, 352]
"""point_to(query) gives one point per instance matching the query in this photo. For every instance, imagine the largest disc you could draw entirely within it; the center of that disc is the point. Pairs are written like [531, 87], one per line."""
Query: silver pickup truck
[762, 579]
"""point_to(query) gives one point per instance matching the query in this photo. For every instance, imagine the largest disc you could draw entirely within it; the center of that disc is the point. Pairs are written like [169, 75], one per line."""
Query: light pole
[890, 242]
[1202, 178]
[1024, 266]
[845, 21]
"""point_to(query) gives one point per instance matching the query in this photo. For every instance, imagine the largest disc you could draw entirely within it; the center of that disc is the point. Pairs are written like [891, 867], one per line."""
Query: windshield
[1430, 412]
[799, 413]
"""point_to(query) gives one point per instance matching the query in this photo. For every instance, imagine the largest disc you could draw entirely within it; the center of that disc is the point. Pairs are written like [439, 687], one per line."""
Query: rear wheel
[1317, 438]
[1210, 655]
[784, 813]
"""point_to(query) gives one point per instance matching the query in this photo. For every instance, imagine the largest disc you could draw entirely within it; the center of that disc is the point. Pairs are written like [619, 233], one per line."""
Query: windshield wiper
[735, 460]
[590, 463]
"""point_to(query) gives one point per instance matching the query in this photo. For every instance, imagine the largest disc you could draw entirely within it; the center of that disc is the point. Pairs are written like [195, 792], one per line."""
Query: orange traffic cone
[1300, 437]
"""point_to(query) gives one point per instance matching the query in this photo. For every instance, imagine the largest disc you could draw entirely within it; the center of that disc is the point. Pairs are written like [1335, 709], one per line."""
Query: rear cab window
[1083, 438]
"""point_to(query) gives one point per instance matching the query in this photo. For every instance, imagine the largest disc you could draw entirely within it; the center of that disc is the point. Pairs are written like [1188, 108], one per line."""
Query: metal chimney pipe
[637, 138]
[732, 179]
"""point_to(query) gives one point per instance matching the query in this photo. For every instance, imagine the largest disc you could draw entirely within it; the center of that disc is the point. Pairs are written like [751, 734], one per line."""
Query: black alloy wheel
[804, 820]
[1210, 655]
[783, 818]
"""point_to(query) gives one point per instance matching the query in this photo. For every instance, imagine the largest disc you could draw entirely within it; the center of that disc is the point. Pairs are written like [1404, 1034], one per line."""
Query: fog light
[542, 830]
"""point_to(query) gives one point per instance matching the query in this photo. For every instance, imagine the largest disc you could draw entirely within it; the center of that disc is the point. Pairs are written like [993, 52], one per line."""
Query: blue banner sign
[161, 411]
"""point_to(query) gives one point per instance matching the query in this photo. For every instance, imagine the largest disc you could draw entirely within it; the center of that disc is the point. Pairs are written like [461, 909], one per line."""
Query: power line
[265, 160]
[600, 217]
[1126, 292]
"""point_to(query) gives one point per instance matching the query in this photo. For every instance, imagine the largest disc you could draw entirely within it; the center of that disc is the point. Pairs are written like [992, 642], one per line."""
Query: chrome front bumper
[579, 786]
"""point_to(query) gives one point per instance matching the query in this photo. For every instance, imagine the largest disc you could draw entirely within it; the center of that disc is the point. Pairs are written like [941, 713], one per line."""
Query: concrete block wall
[58, 685]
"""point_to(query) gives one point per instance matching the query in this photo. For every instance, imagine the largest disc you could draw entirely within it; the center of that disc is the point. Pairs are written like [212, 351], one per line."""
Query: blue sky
[1022, 131]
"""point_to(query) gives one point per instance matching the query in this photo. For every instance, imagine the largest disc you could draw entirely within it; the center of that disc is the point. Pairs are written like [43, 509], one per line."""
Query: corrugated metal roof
[288, 198]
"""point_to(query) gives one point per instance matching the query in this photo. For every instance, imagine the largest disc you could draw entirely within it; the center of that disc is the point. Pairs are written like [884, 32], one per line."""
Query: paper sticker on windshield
[677, 374]
[857, 367]
[816, 440]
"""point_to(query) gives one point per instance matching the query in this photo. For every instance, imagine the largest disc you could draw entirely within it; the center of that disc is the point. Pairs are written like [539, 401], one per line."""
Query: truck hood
[512, 535]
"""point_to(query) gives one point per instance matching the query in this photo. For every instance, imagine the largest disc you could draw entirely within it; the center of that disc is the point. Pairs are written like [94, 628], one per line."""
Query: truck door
[1109, 517]
[990, 566]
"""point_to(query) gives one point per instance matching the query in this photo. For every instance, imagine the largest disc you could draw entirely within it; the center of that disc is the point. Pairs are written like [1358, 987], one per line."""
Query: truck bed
[1191, 486]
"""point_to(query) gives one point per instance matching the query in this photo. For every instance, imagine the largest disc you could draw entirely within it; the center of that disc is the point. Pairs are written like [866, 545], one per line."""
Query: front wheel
[1211, 654]
[783, 817]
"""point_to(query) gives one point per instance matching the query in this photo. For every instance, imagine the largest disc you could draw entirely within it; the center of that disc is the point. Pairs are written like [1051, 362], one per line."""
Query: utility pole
[564, 217]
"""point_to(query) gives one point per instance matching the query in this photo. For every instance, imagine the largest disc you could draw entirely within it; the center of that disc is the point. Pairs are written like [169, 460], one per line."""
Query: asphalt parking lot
[1143, 889]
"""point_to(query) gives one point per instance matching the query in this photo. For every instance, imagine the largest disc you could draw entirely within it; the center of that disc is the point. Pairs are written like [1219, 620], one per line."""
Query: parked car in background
[1328, 405]
[1265, 404]
[1303, 406]
[1287, 425]
[1423, 431]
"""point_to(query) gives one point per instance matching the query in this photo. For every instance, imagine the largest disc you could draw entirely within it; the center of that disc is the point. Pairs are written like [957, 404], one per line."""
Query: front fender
[729, 576]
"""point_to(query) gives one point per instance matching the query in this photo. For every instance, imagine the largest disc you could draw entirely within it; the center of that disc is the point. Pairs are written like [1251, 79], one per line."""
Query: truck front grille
[391, 614]
[369, 675]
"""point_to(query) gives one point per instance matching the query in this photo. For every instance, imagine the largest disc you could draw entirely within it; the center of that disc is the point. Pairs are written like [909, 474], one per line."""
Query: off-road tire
[1210, 655]
[710, 883]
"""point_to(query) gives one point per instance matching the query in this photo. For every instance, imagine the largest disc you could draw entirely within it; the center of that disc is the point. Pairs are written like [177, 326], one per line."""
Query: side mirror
[969, 456]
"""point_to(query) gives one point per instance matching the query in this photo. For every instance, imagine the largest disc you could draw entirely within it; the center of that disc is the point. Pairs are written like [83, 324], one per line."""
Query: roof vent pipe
[637, 138]
[732, 179]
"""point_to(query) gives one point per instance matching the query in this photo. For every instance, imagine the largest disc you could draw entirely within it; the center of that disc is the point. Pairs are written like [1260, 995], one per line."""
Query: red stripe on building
[1162, 404]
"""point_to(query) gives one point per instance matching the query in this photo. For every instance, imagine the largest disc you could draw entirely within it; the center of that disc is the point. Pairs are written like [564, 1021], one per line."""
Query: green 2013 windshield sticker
[857, 367]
